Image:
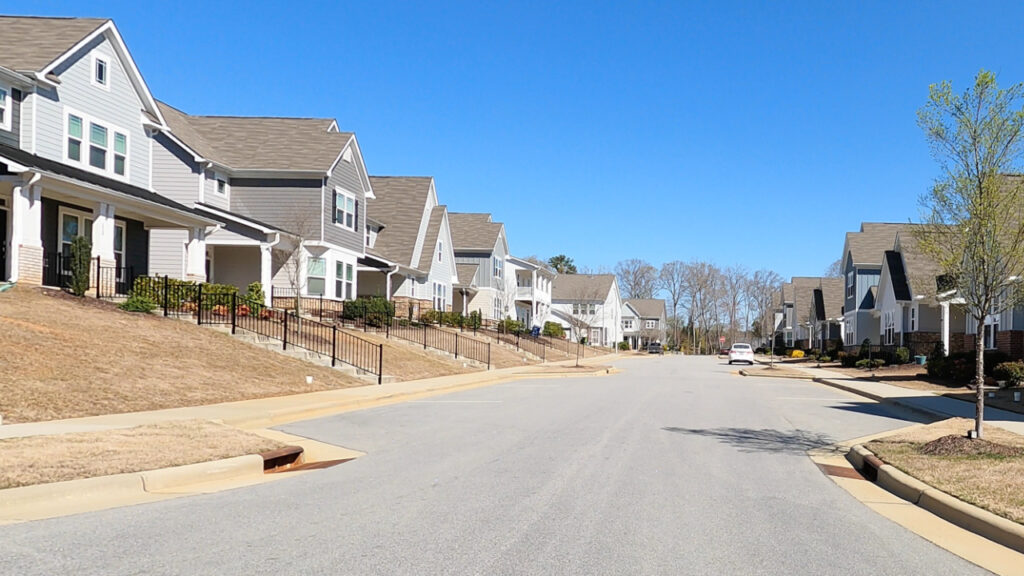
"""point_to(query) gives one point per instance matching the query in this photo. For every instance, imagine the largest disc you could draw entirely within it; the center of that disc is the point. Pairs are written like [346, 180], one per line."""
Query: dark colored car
[655, 348]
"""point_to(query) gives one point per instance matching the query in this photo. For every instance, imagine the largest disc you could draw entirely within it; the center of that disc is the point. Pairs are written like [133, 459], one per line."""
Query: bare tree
[734, 279]
[672, 280]
[637, 278]
[834, 270]
[290, 256]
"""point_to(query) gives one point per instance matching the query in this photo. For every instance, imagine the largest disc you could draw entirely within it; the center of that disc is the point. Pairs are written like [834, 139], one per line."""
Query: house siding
[26, 117]
[119, 107]
[210, 195]
[441, 272]
[291, 205]
[167, 252]
[345, 177]
[175, 174]
[12, 137]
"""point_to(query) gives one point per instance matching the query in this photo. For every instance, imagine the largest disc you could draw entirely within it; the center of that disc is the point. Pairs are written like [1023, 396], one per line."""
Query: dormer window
[5, 109]
[101, 72]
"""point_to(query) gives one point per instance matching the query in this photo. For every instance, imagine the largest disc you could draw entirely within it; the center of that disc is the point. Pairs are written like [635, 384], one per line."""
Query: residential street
[676, 465]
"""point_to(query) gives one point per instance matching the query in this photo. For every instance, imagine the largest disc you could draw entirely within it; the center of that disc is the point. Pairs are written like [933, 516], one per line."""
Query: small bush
[902, 355]
[872, 363]
[623, 345]
[430, 317]
[137, 303]
[824, 359]
[795, 353]
[375, 309]
[760, 350]
[865, 348]
[1010, 372]
[554, 330]
[81, 258]
[254, 292]
[846, 359]
[475, 320]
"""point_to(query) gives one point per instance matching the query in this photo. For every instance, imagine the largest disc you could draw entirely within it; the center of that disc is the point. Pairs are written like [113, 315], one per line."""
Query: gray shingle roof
[897, 276]
[868, 246]
[803, 292]
[833, 295]
[259, 143]
[399, 206]
[581, 286]
[430, 238]
[648, 307]
[32, 43]
[921, 269]
[466, 273]
[474, 232]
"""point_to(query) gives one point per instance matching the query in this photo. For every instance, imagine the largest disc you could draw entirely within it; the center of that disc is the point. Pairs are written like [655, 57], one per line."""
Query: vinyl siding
[441, 272]
[292, 205]
[210, 195]
[865, 280]
[119, 107]
[14, 98]
[25, 111]
[484, 272]
[346, 178]
[167, 252]
[175, 174]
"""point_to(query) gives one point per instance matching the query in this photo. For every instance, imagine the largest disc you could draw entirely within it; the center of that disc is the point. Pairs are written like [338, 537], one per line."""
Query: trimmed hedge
[959, 367]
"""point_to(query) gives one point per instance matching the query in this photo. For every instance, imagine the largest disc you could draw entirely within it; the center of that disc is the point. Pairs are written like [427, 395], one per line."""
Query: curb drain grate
[840, 471]
[311, 466]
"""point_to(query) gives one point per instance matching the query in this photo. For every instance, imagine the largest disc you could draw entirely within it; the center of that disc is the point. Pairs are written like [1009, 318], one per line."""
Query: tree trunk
[979, 378]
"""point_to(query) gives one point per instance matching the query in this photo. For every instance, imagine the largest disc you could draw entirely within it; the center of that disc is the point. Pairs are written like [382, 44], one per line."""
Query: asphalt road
[675, 466]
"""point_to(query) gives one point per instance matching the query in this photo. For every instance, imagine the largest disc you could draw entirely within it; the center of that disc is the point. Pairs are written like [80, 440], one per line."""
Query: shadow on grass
[763, 440]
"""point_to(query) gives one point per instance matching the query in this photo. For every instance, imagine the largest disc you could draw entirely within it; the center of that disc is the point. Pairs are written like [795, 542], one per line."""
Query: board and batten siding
[14, 98]
[441, 272]
[167, 252]
[291, 205]
[118, 108]
[484, 270]
[345, 178]
[175, 173]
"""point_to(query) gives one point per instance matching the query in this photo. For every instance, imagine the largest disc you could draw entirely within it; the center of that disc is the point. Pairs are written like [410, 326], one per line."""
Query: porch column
[945, 326]
[103, 234]
[266, 271]
[26, 235]
[195, 255]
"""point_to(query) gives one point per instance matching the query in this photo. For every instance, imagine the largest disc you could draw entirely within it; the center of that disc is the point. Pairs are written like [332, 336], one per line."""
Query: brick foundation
[1011, 342]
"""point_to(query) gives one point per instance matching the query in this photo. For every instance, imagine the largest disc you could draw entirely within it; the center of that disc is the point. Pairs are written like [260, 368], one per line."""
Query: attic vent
[347, 155]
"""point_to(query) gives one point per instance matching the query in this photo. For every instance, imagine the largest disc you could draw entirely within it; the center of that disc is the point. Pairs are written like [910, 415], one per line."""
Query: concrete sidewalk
[267, 412]
[916, 400]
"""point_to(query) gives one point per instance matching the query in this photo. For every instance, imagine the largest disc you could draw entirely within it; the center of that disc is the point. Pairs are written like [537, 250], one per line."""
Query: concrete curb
[956, 511]
[743, 372]
[229, 468]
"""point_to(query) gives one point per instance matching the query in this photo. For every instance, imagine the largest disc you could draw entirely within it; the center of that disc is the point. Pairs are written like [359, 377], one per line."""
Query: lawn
[988, 474]
[65, 357]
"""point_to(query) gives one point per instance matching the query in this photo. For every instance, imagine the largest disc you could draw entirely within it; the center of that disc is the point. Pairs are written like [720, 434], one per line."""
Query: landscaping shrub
[959, 366]
[81, 258]
[430, 317]
[760, 350]
[138, 303]
[376, 309]
[902, 355]
[623, 345]
[865, 348]
[872, 363]
[1010, 372]
[846, 359]
[254, 292]
[475, 320]
[510, 326]
[795, 353]
[455, 319]
[554, 330]
[824, 359]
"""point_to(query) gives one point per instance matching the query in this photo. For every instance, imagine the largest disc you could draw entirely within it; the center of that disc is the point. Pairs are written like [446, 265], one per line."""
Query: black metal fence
[108, 282]
[520, 341]
[460, 345]
[240, 313]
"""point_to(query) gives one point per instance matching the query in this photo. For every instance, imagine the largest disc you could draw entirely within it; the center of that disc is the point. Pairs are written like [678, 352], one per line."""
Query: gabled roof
[922, 271]
[31, 43]
[430, 238]
[474, 232]
[787, 293]
[867, 247]
[399, 204]
[260, 142]
[897, 276]
[648, 307]
[833, 297]
[803, 293]
[581, 286]
[466, 273]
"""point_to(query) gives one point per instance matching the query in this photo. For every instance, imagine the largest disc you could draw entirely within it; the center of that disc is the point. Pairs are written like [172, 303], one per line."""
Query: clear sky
[750, 133]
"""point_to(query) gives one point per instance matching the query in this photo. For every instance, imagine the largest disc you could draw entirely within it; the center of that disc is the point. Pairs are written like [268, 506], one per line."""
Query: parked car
[655, 348]
[741, 353]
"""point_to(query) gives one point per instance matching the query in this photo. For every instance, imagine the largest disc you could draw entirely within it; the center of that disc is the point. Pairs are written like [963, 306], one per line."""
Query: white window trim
[8, 108]
[341, 279]
[106, 66]
[324, 277]
[217, 179]
[83, 161]
[82, 217]
[340, 222]
[650, 324]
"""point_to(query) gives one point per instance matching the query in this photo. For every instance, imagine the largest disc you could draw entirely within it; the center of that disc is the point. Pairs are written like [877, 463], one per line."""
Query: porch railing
[106, 282]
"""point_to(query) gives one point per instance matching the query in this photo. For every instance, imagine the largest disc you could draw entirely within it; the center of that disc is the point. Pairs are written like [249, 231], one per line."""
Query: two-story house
[478, 241]
[532, 285]
[863, 255]
[588, 306]
[291, 192]
[803, 300]
[644, 321]
[77, 127]
[409, 255]
[786, 330]
[826, 313]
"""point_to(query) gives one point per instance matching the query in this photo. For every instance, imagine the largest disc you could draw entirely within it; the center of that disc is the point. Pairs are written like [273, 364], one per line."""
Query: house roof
[472, 231]
[897, 276]
[867, 247]
[24, 158]
[648, 307]
[833, 297]
[466, 273]
[399, 205]
[30, 43]
[430, 238]
[922, 271]
[803, 294]
[258, 142]
[581, 286]
[787, 292]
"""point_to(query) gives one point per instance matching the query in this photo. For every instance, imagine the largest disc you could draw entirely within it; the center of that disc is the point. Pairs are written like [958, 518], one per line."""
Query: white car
[741, 353]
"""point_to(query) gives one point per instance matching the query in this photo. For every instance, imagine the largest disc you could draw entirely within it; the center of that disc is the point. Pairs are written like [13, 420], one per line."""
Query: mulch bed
[955, 445]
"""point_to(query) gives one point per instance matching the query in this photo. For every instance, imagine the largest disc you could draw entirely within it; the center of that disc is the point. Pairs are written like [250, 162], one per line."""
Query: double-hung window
[75, 138]
[345, 210]
[850, 283]
[627, 324]
[343, 281]
[316, 272]
[106, 147]
[890, 327]
[440, 296]
[5, 109]
[913, 318]
[652, 324]
[497, 267]
[440, 250]
[98, 146]
[120, 153]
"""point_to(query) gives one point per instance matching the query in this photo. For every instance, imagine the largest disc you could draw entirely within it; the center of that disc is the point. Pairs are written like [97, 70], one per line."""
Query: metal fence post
[199, 305]
[97, 277]
[380, 364]
[488, 355]
[424, 336]
[321, 307]
[334, 344]
[456, 346]
[167, 283]
[234, 306]
[284, 336]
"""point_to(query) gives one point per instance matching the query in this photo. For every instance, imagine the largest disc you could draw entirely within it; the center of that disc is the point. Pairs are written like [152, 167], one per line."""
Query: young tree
[637, 278]
[562, 264]
[974, 213]
[672, 280]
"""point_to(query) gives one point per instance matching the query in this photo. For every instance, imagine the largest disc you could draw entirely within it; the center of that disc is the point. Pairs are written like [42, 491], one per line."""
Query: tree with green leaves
[562, 264]
[80, 266]
[973, 215]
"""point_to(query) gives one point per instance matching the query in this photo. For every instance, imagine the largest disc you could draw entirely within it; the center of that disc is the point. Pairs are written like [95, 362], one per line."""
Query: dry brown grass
[995, 483]
[44, 459]
[408, 361]
[65, 357]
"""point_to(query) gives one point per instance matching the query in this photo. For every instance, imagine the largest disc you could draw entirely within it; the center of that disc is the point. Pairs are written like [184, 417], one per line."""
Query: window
[74, 223]
[627, 324]
[316, 270]
[97, 146]
[850, 282]
[440, 250]
[440, 296]
[5, 109]
[74, 138]
[100, 71]
[497, 267]
[367, 239]
[222, 186]
[592, 309]
[913, 318]
[890, 328]
[343, 281]
[497, 310]
[346, 210]
[652, 324]
[120, 153]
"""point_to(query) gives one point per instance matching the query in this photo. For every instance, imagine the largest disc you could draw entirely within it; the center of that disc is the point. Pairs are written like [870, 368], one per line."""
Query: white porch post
[195, 255]
[945, 326]
[26, 257]
[266, 272]
[103, 234]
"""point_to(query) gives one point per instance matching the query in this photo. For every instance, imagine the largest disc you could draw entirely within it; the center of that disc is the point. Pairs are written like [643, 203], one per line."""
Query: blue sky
[741, 133]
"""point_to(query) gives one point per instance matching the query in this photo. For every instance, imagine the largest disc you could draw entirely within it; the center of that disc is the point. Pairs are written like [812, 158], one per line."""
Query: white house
[531, 282]
[588, 305]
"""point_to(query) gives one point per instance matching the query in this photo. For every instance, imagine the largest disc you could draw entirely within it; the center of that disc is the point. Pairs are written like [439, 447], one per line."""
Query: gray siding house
[479, 242]
[77, 125]
[863, 253]
[291, 192]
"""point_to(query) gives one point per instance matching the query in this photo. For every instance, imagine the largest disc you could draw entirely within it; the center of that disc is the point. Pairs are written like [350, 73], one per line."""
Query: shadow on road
[764, 440]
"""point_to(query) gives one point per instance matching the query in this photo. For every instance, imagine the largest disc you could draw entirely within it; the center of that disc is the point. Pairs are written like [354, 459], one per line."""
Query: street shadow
[885, 410]
[763, 440]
